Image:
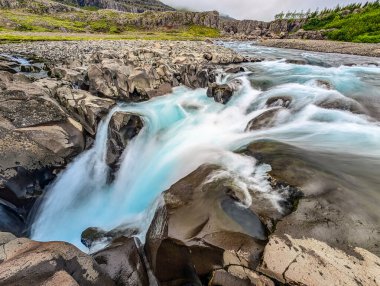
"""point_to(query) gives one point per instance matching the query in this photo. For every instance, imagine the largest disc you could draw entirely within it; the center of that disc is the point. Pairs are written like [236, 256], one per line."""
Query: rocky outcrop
[284, 257]
[222, 93]
[26, 262]
[124, 262]
[37, 138]
[321, 213]
[37, 6]
[152, 20]
[123, 127]
[85, 80]
[189, 242]
[84, 107]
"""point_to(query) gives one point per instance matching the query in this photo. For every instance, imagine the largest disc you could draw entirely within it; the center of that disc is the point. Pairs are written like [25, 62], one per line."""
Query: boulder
[202, 227]
[282, 101]
[123, 261]
[77, 77]
[221, 93]
[334, 209]
[123, 127]
[110, 79]
[342, 103]
[26, 262]
[88, 109]
[30, 69]
[93, 235]
[235, 69]
[312, 262]
[267, 119]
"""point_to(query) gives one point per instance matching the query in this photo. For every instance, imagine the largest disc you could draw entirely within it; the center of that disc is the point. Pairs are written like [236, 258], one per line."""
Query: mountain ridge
[134, 6]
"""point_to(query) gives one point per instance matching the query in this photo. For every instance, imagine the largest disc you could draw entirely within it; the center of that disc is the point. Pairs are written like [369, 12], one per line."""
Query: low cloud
[255, 9]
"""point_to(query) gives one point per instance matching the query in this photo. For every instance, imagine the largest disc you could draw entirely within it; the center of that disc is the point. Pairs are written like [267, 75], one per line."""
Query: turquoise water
[186, 129]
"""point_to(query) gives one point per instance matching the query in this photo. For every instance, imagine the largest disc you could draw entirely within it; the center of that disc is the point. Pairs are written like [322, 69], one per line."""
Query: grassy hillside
[352, 23]
[136, 6]
[26, 24]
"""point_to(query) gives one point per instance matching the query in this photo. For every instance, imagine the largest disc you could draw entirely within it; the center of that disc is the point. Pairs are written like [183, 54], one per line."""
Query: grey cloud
[255, 9]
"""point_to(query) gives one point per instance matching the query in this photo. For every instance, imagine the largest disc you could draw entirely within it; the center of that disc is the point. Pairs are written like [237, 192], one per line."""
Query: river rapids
[186, 129]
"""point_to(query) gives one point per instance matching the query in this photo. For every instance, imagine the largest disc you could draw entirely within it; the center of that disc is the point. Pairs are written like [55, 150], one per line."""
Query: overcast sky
[255, 9]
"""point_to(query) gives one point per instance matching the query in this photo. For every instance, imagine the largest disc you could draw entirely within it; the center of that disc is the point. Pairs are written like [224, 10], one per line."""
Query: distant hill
[134, 6]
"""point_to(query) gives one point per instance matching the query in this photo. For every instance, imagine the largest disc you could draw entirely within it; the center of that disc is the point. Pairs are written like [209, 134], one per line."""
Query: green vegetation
[352, 23]
[23, 25]
[191, 33]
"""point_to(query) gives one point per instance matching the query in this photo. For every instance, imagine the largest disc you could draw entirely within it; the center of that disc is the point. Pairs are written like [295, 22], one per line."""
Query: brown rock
[27, 262]
[123, 262]
[312, 262]
[267, 119]
[88, 109]
[188, 240]
[122, 129]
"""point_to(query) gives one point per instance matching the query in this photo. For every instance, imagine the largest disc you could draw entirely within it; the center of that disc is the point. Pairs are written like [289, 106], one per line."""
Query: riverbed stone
[312, 262]
[123, 261]
[123, 127]
[26, 262]
[199, 229]
[265, 120]
[333, 211]
[88, 109]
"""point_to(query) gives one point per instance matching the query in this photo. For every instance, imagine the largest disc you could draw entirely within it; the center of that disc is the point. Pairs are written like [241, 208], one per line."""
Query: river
[332, 116]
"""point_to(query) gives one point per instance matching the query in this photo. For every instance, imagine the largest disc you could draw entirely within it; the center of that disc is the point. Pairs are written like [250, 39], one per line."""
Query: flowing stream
[186, 129]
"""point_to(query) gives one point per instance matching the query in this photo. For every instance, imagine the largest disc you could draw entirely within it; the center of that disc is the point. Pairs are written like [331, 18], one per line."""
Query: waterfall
[186, 129]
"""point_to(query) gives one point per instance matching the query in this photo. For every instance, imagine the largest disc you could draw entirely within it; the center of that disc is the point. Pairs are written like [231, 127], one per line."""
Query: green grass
[89, 25]
[171, 35]
[362, 26]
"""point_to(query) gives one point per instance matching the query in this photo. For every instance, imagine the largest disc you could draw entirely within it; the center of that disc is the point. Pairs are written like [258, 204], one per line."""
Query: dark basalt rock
[265, 120]
[297, 61]
[324, 84]
[124, 262]
[282, 101]
[93, 235]
[201, 228]
[122, 129]
[236, 69]
[342, 103]
[30, 69]
[220, 93]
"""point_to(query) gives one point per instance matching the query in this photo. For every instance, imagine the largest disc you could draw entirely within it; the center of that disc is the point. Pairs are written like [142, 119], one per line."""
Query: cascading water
[186, 129]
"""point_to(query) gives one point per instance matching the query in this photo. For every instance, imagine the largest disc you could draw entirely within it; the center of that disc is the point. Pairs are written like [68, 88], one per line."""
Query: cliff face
[135, 6]
[260, 28]
[283, 29]
[152, 20]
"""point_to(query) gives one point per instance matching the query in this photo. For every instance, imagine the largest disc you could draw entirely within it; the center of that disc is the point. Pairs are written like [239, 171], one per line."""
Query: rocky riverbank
[50, 109]
[360, 49]
[77, 83]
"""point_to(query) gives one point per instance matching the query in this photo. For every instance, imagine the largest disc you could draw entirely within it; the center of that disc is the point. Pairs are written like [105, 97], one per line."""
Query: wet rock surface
[123, 127]
[202, 228]
[45, 122]
[324, 212]
[124, 262]
[205, 231]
